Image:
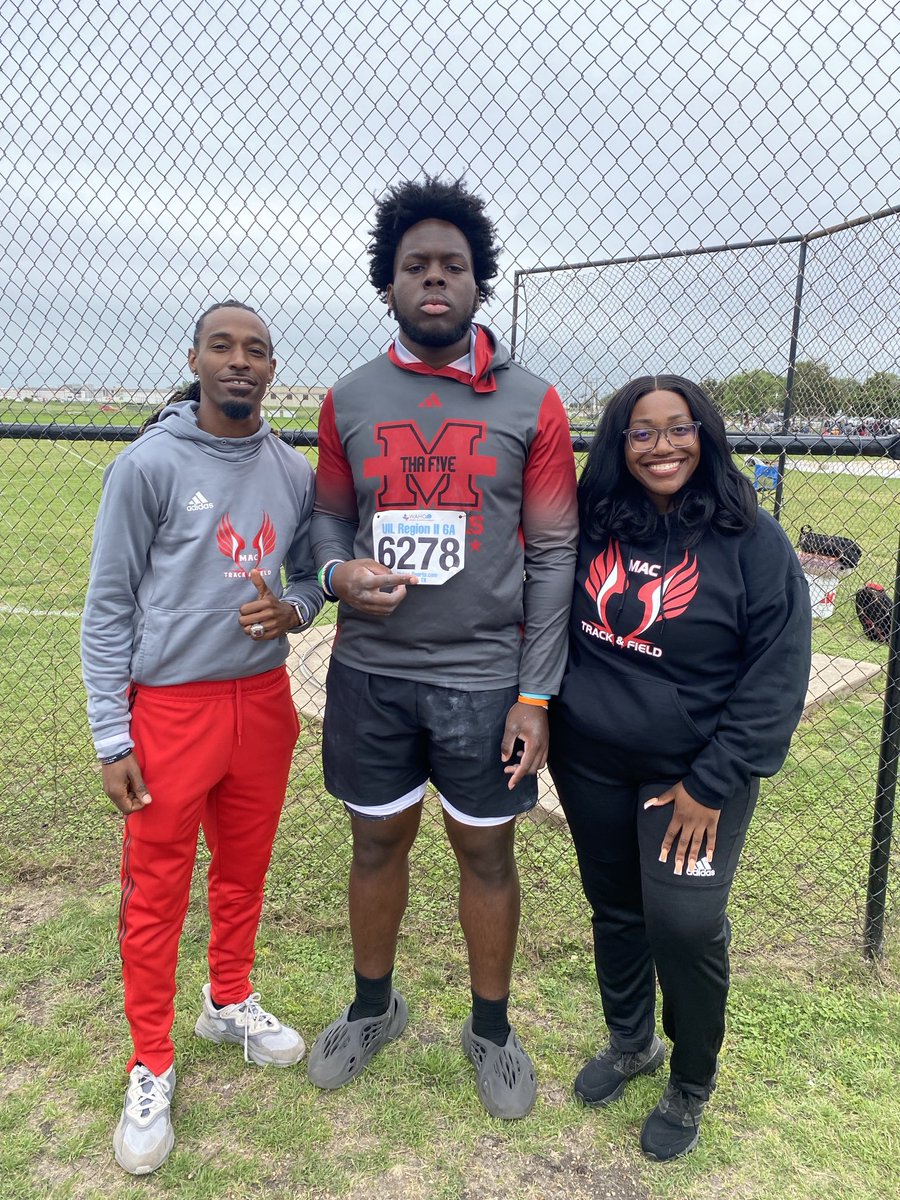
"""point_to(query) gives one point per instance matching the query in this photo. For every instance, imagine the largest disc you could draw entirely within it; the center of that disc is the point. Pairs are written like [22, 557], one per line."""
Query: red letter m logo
[439, 474]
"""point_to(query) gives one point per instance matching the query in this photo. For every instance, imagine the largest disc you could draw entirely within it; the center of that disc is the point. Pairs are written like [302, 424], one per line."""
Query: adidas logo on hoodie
[703, 868]
[198, 502]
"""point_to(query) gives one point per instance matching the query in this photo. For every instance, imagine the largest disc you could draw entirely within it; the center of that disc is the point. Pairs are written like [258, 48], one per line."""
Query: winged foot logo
[233, 546]
[662, 595]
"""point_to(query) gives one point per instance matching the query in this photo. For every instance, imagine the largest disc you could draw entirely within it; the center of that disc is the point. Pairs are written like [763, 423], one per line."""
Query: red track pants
[216, 754]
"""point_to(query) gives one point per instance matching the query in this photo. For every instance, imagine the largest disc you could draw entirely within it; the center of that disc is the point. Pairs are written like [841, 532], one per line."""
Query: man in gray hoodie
[183, 651]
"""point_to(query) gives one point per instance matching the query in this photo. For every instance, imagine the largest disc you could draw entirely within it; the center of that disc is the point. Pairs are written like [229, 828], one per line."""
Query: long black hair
[408, 203]
[191, 391]
[717, 495]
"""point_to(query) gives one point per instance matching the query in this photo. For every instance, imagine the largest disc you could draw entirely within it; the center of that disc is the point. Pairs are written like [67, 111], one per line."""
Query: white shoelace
[147, 1096]
[254, 1019]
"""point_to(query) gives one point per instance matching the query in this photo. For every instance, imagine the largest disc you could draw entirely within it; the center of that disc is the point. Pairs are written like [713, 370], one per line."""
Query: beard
[435, 339]
[237, 410]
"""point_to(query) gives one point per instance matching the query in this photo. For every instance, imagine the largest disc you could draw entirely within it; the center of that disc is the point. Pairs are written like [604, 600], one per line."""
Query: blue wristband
[326, 580]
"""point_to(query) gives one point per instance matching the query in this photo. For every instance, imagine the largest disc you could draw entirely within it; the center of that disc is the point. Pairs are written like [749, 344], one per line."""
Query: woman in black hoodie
[688, 664]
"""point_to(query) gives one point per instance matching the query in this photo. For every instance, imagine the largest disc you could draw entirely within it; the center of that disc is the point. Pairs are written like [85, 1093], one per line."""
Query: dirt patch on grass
[578, 1173]
[50, 1174]
[800, 964]
[25, 905]
[493, 1170]
[15, 1078]
[31, 1001]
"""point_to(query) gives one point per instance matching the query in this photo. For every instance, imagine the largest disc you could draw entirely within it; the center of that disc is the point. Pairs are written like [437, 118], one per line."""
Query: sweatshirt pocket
[184, 645]
[628, 711]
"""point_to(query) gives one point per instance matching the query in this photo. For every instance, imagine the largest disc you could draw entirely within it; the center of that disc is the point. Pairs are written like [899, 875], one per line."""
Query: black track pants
[645, 916]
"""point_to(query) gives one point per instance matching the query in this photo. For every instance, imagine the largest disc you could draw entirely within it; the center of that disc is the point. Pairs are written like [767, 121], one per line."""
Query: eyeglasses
[679, 437]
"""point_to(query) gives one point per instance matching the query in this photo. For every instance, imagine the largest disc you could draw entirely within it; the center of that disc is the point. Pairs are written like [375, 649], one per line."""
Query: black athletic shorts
[386, 737]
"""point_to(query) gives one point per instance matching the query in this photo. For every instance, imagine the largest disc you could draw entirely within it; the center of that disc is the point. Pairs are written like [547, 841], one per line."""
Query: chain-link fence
[795, 336]
[814, 310]
[158, 157]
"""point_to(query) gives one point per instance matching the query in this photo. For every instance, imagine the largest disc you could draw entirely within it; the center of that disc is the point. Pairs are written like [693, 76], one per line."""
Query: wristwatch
[302, 614]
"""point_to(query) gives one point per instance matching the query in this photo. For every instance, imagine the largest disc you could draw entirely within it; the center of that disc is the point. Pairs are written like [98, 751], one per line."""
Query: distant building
[297, 395]
[82, 394]
[282, 400]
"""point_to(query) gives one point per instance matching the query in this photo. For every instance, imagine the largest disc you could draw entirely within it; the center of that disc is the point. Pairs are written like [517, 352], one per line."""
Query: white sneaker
[265, 1040]
[144, 1136]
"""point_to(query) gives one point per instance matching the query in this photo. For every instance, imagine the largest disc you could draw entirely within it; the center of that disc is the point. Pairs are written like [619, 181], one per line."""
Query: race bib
[428, 543]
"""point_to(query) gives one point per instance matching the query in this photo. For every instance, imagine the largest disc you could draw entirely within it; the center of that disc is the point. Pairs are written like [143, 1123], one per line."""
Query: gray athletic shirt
[497, 448]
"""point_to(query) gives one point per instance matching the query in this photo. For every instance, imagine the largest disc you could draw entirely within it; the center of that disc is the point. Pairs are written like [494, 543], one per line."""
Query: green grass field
[807, 1103]
[63, 412]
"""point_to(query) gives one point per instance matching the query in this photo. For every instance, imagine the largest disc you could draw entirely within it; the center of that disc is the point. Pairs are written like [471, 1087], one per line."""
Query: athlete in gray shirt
[445, 525]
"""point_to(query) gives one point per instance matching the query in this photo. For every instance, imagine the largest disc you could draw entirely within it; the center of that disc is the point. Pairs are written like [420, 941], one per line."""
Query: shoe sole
[395, 1027]
[669, 1158]
[649, 1068]
[210, 1034]
[143, 1169]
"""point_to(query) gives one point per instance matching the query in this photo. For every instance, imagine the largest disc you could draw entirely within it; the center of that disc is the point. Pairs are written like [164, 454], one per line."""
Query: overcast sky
[157, 157]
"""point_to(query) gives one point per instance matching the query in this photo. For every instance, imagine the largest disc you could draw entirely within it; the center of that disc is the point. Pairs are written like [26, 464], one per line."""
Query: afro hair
[408, 203]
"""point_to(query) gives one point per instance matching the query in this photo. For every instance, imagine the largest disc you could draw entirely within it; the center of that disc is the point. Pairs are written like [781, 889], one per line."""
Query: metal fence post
[885, 790]
[515, 315]
[789, 379]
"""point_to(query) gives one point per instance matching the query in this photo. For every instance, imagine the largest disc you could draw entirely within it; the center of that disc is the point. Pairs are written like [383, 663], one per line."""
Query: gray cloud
[159, 156]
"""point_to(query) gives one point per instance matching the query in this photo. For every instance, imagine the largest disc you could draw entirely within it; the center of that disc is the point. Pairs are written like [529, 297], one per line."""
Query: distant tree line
[755, 399]
[817, 394]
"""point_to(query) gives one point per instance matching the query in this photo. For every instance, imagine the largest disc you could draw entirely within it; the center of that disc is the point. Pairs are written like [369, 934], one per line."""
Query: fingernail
[647, 803]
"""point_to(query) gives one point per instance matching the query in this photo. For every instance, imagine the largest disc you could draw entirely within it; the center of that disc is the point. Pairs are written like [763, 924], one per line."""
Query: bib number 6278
[430, 544]
[411, 554]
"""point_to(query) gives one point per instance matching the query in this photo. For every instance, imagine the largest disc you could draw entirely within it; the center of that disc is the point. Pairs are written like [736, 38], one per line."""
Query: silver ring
[257, 629]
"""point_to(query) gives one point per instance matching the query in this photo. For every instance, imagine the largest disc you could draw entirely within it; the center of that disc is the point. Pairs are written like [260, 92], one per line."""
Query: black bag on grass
[873, 607]
[845, 550]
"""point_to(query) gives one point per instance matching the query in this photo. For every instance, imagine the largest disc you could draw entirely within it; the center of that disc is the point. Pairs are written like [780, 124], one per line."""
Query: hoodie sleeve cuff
[707, 796]
[106, 747]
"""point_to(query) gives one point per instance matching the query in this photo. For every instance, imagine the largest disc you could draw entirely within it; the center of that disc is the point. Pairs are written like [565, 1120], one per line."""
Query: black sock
[372, 996]
[489, 1019]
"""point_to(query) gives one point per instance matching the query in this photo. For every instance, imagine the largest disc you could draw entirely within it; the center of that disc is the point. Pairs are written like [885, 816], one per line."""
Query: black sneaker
[673, 1128]
[603, 1079]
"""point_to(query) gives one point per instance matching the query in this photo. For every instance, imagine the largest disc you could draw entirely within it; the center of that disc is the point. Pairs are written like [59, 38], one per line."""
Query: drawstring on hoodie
[625, 554]
[662, 590]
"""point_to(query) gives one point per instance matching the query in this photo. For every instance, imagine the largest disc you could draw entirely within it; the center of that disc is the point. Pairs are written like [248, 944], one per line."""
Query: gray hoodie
[183, 519]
